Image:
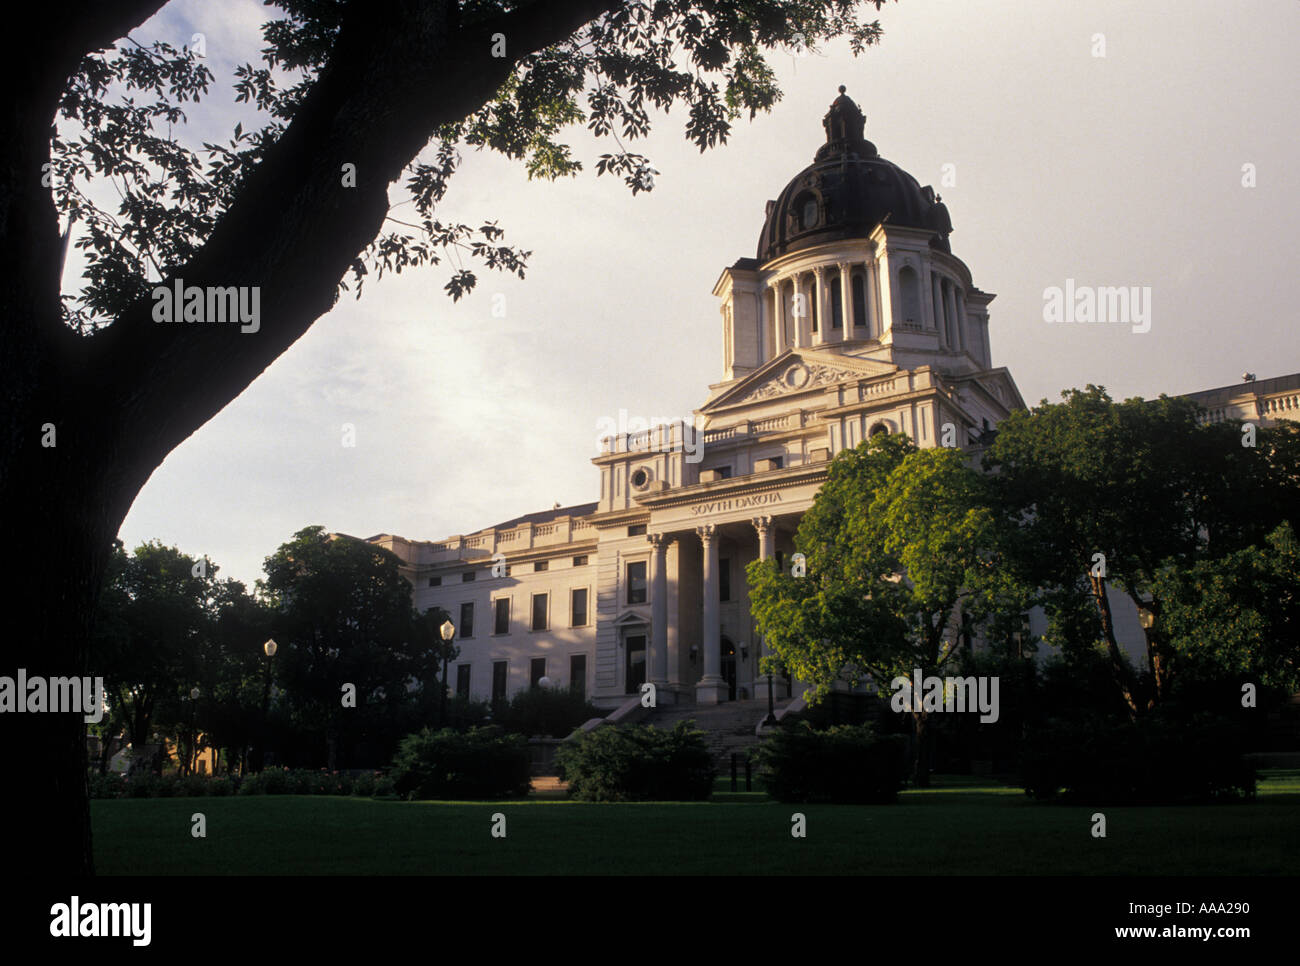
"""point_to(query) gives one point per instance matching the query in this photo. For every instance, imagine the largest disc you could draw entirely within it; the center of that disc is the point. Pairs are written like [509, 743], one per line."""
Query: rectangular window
[578, 673]
[467, 577]
[466, 620]
[501, 621]
[724, 472]
[579, 607]
[435, 581]
[499, 671]
[580, 560]
[724, 578]
[536, 672]
[777, 462]
[540, 565]
[637, 530]
[462, 681]
[636, 582]
[539, 612]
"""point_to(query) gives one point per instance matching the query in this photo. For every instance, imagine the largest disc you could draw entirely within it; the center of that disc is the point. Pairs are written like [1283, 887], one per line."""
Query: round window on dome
[640, 478]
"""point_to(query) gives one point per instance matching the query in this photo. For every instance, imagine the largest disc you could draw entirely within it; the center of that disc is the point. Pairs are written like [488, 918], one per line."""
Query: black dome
[846, 192]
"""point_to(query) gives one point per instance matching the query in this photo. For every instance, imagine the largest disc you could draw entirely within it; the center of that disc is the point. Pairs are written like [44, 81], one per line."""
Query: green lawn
[961, 826]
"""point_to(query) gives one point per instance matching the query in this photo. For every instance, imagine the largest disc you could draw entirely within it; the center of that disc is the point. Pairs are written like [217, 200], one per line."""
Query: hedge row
[272, 781]
[479, 763]
[1158, 760]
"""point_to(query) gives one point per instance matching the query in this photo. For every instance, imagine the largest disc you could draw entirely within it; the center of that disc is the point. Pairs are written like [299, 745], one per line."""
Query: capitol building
[853, 318]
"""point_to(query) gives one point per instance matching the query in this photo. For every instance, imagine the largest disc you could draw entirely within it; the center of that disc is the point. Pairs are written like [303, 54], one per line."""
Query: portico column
[659, 610]
[765, 540]
[711, 687]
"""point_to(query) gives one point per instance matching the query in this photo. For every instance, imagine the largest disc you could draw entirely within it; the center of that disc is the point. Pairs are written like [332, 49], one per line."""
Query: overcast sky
[1125, 169]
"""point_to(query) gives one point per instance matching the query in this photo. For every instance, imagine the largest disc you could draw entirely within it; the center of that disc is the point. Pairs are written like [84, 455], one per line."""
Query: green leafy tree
[1098, 494]
[350, 97]
[902, 558]
[343, 620]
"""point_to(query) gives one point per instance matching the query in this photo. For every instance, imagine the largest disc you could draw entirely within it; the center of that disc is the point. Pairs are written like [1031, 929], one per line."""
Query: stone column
[711, 689]
[937, 307]
[846, 300]
[871, 284]
[766, 539]
[822, 298]
[954, 324]
[659, 611]
[778, 318]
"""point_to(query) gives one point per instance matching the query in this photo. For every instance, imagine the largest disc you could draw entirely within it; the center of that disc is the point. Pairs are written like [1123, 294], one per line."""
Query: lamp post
[448, 632]
[194, 735]
[269, 648]
[770, 718]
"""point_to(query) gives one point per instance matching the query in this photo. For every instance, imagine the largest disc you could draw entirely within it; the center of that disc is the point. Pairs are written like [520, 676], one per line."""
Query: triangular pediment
[796, 371]
[1000, 387]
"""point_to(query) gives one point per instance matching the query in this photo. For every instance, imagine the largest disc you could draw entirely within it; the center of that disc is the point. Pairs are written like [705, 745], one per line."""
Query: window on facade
[540, 565]
[467, 577]
[435, 581]
[837, 302]
[724, 578]
[636, 530]
[501, 617]
[462, 680]
[580, 607]
[911, 292]
[466, 628]
[724, 472]
[539, 612]
[636, 590]
[815, 297]
[578, 673]
[499, 671]
[580, 560]
[536, 672]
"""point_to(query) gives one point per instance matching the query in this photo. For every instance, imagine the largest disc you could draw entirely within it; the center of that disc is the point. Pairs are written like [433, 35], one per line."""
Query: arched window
[911, 292]
[837, 301]
[860, 301]
[880, 429]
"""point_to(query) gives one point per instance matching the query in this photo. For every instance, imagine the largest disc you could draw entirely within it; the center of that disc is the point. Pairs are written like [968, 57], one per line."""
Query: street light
[269, 648]
[448, 632]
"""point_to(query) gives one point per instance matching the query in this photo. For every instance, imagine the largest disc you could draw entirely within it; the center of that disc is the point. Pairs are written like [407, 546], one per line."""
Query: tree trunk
[921, 751]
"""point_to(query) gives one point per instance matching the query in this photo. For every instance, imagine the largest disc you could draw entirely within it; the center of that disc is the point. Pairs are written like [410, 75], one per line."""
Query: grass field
[959, 827]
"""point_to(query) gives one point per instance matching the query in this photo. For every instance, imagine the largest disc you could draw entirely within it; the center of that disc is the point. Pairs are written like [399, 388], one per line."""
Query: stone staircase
[727, 727]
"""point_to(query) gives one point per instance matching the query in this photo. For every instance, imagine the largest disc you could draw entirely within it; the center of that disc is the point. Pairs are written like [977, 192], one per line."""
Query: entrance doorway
[634, 649]
[729, 667]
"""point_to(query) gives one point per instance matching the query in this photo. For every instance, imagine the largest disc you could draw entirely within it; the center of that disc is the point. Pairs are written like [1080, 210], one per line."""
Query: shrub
[108, 786]
[478, 763]
[384, 788]
[634, 763]
[1160, 760]
[545, 711]
[364, 784]
[849, 764]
